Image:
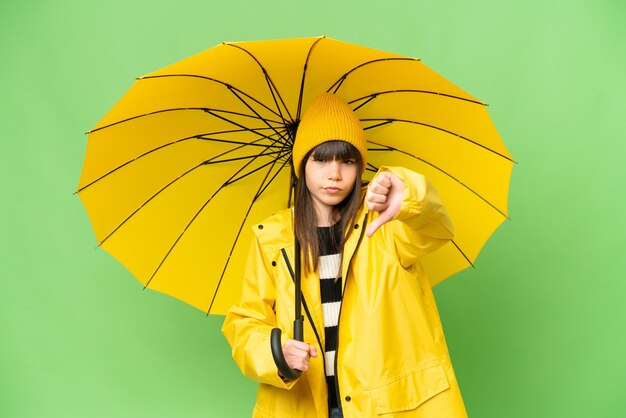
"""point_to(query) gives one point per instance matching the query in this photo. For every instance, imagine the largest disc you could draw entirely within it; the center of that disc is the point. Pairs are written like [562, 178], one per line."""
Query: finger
[381, 183]
[298, 363]
[296, 356]
[313, 351]
[373, 227]
[376, 197]
[383, 179]
[377, 223]
[378, 187]
[297, 359]
[300, 345]
[375, 202]
[303, 366]
[376, 207]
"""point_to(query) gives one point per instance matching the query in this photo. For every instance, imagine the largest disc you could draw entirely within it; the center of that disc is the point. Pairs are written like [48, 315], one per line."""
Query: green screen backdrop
[536, 330]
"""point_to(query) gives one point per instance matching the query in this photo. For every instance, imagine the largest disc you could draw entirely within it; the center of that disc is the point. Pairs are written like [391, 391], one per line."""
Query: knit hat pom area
[328, 118]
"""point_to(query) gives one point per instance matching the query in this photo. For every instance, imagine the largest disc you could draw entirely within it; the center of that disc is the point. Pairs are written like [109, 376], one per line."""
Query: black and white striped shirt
[330, 289]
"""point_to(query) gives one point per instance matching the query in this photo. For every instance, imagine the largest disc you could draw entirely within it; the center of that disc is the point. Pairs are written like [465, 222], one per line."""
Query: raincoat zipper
[345, 281]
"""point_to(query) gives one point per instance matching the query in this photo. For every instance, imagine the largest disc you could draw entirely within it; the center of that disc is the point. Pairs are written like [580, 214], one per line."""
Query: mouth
[332, 189]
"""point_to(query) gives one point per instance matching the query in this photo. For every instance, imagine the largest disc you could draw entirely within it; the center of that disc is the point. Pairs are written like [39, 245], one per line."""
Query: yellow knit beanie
[328, 118]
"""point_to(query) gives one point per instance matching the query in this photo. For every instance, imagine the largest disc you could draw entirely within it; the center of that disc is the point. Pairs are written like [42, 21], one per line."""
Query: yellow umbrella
[194, 154]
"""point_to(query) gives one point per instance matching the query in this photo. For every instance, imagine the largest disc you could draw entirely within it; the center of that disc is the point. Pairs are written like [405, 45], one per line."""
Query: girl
[374, 341]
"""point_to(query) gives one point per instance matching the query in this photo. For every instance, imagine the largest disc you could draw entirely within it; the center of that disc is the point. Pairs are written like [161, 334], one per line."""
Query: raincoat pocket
[409, 390]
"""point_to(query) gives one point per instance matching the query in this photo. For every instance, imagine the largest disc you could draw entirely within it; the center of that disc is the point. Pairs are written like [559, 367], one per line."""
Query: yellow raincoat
[391, 357]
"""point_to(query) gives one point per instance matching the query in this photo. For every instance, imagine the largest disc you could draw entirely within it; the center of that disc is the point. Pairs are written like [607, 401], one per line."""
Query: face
[329, 182]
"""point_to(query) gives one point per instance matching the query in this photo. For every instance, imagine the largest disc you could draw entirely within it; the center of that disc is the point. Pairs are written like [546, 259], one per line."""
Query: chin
[335, 202]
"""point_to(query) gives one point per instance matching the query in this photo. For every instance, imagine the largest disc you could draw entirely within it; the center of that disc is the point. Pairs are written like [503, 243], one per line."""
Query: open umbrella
[194, 154]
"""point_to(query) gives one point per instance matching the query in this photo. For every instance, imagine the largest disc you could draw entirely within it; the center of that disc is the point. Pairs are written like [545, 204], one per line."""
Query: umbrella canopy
[196, 153]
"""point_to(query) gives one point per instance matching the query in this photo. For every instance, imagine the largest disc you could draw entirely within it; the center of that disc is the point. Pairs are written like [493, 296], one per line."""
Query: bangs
[336, 150]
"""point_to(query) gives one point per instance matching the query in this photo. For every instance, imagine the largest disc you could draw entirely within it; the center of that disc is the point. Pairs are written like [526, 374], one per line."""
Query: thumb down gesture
[384, 195]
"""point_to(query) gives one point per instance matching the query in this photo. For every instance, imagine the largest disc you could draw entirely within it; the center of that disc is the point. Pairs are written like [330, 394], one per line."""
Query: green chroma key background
[537, 330]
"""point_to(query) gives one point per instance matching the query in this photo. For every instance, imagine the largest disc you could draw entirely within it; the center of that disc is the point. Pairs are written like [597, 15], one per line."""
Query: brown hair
[305, 215]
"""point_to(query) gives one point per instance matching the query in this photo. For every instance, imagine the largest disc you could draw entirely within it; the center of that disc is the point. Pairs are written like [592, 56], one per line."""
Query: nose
[334, 170]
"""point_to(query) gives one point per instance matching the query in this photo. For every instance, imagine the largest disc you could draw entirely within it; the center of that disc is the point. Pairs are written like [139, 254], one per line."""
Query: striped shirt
[330, 290]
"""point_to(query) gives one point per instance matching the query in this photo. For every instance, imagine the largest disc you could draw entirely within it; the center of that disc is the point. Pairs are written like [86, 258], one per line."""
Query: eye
[349, 162]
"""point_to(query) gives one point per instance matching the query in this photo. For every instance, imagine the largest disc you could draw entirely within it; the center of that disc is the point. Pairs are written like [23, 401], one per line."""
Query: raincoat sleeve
[424, 222]
[249, 322]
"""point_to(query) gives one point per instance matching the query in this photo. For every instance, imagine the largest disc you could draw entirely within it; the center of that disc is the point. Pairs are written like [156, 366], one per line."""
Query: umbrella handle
[277, 350]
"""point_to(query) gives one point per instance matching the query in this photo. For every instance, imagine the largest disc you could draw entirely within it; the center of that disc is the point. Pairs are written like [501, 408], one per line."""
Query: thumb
[383, 217]
[394, 202]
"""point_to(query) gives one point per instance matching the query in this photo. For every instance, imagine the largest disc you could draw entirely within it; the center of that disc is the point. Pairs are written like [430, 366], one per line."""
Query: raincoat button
[274, 263]
[356, 226]
[348, 399]
[260, 226]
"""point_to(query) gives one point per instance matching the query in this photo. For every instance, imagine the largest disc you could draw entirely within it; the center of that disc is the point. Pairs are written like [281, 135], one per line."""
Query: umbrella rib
[274, 92]
[227, 141]
[362, 104]
[245, 218]
[370, 166]
[273, 177]
[391, 120]
[304, 70]
[228, 183]
[385, 122]
[177, 109]
[375, 95]
[228, 160]
[292, 184]
[132, 161]
[443, 172]
[284, 122]
[244, 127]
[341, 79]
[268, 80]
[284, 150]
[133, 213]
[206, 162]
[338, 85]
[195, 216]
[201, 137]
[463, 254]
[227, 85]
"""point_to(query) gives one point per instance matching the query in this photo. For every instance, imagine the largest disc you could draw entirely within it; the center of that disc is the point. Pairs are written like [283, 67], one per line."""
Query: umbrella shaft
[297, 281]
[298, 329]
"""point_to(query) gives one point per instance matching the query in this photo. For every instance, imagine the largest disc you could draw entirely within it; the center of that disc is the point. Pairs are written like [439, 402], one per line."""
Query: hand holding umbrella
[384, 195]
[292, 369]
[298, 353]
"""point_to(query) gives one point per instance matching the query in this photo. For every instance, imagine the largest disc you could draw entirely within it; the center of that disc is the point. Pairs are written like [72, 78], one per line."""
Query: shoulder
[275, 231]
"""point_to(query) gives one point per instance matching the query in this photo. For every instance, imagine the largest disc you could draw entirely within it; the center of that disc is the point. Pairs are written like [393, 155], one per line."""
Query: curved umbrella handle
[277, 350]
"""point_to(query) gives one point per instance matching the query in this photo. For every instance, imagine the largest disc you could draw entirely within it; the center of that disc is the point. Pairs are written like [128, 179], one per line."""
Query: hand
[384, 195]
[297, 354]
